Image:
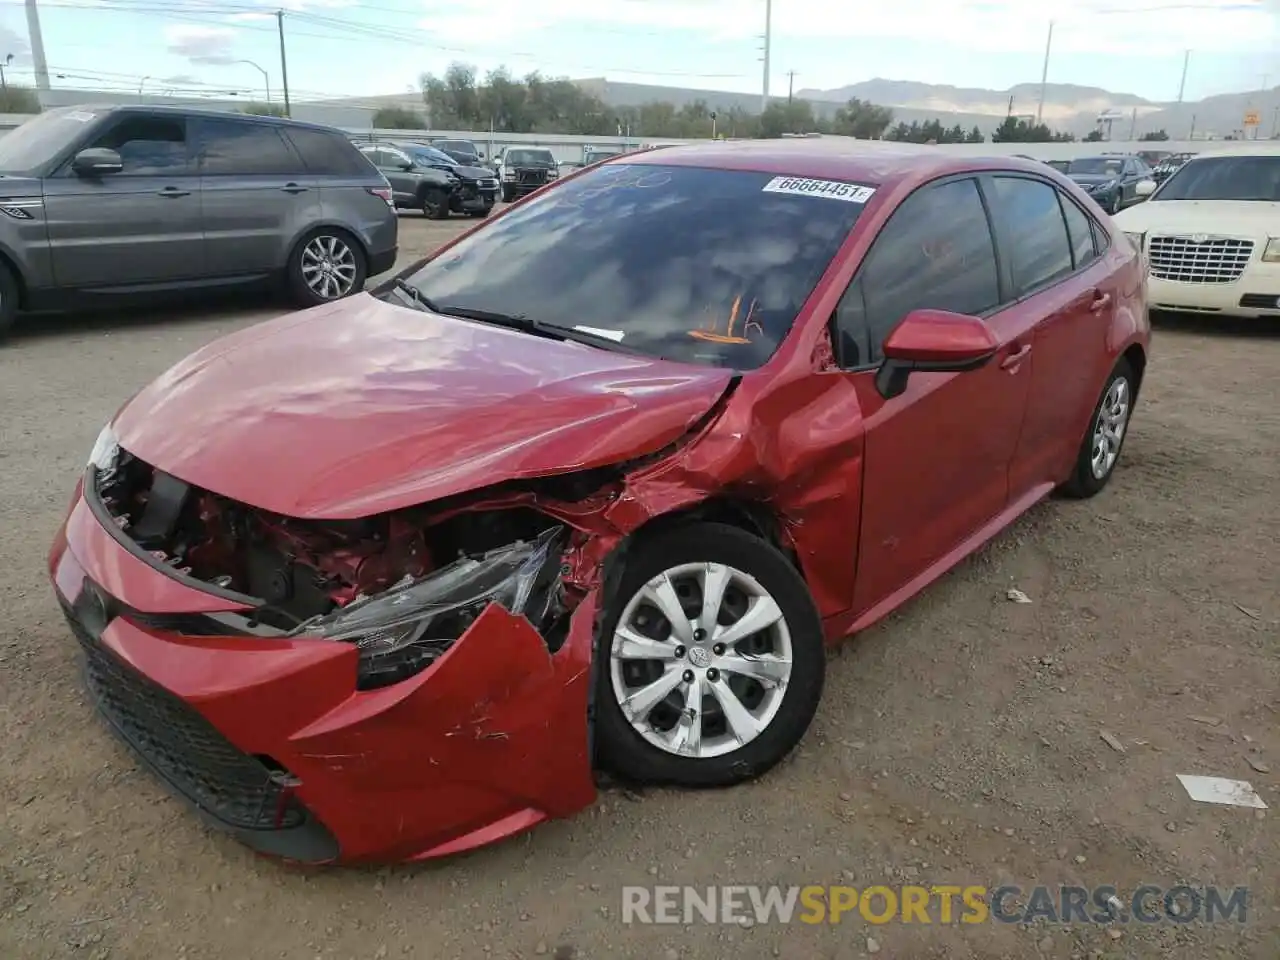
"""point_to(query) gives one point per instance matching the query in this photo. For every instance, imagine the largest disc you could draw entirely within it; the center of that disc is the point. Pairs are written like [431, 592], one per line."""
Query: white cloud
[1085, 26]
[212, 45]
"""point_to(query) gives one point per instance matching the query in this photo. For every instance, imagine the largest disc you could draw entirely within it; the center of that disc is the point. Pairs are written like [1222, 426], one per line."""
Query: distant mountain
[1068, 107]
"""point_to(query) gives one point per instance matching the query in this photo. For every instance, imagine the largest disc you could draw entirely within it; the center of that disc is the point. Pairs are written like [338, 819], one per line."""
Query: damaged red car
[593, 486]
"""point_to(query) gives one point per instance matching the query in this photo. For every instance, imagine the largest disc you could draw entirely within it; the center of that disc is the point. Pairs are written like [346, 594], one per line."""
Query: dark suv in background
[1111, 179]
[101, 205]
[424, 178]
[522, 170]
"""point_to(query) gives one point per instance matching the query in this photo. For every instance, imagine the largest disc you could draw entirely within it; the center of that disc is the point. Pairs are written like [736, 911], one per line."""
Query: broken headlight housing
[106, 451]
[403, 631]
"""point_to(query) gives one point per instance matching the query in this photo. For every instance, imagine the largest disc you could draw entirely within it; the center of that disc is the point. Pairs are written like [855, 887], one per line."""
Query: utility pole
[284, 67]
[1044, 75]
[37, 46]
[791, 85]
[1182, 89]
[1133, 124]
[1010, 113]
[768, 42]
[3, 82]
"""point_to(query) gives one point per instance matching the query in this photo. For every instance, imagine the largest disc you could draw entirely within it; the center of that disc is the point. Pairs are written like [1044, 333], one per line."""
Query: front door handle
[1100, 302]
[173, 192]
[1014, 360]
[293, 188]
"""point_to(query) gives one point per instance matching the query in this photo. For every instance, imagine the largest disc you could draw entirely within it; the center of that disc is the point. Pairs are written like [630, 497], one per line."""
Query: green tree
[975, 136]
[862, 119]
[19, 100]
[1093, 136]
[256, 109]
[1015, 130]
[1154, 136]
[398, 118]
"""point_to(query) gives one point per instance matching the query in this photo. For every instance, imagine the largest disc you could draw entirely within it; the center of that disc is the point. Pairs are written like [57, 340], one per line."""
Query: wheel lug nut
[688, 676]
[713, 674]
[699, 636]
[680, 652]
[718, 649]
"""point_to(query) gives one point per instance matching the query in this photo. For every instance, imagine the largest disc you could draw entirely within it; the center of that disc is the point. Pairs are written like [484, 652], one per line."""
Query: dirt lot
[958, 743]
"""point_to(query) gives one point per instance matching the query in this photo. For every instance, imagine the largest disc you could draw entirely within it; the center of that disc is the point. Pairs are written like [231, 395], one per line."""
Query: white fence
[568, 147]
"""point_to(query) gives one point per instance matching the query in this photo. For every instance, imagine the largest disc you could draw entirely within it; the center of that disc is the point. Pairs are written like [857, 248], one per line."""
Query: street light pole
[3, 82]
[1044, 74]
[141, 82]
[1182, 89]
[266, 79]
[768, 42]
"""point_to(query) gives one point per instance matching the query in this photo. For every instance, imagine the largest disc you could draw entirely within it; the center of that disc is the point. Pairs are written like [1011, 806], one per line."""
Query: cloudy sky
[365, 47]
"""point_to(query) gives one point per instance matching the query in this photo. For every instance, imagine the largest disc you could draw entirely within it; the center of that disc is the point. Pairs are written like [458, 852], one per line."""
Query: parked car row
[428, 179]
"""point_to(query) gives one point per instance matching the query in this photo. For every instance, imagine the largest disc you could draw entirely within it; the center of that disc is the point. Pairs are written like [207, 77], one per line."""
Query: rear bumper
[271, 741]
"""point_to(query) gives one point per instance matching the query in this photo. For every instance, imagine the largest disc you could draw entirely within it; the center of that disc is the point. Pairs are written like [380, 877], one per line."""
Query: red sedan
[592, 486]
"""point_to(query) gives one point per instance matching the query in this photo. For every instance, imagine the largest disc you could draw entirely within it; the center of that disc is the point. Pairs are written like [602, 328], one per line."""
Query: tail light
[383, 194]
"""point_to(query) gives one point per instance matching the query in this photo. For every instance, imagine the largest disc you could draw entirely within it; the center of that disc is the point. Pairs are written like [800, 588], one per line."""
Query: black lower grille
[183, 747]
[533, 177]
[1261, 301]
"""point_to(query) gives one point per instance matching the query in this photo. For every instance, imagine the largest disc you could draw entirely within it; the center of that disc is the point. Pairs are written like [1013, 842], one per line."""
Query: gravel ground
[959, 742]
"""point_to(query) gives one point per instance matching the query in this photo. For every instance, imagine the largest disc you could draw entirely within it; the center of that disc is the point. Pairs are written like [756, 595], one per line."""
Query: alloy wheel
[1109, 428]
[700, 660]
[328, 267]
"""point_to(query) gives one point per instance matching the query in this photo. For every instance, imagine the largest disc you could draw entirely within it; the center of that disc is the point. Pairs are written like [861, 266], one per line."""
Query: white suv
[1211, 233]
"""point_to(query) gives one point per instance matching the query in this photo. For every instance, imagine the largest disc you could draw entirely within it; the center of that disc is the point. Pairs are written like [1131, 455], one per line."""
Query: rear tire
[310, 283]
[776, 670]
[1108, 428]
[9, 297]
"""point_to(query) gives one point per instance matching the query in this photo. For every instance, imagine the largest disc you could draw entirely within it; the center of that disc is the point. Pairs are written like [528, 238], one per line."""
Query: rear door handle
[1014, 360]
[173, 192]
[1100, 302]
[293, 188]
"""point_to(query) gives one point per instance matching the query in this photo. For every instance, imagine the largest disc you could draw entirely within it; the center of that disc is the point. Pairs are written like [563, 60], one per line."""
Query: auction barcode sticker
[831, 189]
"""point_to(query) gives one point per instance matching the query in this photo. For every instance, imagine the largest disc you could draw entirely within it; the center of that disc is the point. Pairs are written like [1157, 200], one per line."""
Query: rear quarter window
[329, 154]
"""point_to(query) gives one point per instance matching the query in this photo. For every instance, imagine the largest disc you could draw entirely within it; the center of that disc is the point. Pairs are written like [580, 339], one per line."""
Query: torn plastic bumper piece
[271, 740]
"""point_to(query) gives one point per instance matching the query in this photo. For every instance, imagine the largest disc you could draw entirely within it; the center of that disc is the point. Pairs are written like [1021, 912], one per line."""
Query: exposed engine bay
[401, 586]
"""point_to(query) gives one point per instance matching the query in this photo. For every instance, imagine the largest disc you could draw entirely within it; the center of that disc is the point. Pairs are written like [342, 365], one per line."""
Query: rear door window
[327, 153]
[1040, 250]
[244, 148]
[149, 146]
[935, 252]
[1080, 230]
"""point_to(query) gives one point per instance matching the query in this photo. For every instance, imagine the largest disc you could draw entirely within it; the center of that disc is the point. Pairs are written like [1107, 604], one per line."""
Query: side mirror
[1145, 188]
[933, 341]
[405, 165]
[96, 161]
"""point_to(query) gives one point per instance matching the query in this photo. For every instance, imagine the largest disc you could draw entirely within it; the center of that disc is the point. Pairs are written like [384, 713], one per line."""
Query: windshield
[30, 146]
[529, 156]
[1096, 166]
[456, 146]
[697, 265]
[1221, 178]
[428, 155]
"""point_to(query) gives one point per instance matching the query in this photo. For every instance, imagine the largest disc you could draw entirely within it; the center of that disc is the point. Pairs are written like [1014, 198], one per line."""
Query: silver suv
[101, 205]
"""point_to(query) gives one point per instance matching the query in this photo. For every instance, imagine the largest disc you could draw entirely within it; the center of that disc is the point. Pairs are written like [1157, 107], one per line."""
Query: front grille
[1260, 301]
[183, 747]
[533, 176]
[1217, 260]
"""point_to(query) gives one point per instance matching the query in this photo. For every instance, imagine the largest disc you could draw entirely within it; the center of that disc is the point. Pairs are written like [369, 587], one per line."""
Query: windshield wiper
[415, 296]
[538, 328]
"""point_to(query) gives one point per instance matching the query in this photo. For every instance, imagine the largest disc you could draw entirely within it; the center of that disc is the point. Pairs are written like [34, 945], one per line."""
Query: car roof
[1243, 148]
[881, 162]
[175, 111]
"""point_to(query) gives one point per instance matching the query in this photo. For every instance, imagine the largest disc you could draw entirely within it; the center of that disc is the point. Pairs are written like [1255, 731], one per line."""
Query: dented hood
[360, 406]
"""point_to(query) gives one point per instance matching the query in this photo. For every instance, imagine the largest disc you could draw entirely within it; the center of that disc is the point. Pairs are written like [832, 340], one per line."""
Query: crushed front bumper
[271, 741]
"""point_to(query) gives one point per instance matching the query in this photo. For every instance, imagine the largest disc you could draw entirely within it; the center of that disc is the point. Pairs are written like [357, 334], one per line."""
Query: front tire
[435, 205]
[508, 195]
[326, 265]
[712, 660]
[1100, 449]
